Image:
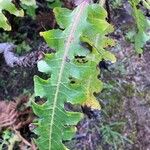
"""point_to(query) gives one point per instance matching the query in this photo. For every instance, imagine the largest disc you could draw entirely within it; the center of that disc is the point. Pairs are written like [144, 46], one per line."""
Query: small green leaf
[54, 3]
[29, 2]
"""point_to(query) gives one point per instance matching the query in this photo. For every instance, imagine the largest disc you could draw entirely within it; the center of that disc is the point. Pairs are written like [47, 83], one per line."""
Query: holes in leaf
[72, 80]
[39, 100]
[72, 107]
[44, 76]
[81, 59]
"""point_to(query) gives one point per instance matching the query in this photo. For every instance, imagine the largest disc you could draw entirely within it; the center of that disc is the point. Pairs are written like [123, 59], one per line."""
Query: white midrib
[67, 46]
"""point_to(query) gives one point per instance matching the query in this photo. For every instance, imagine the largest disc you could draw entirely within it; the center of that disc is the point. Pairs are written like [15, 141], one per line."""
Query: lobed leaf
[72, 70]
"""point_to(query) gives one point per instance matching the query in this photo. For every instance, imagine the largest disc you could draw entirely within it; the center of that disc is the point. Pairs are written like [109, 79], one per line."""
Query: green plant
[116, 3]
[11, 8]
[54, 3]
[146, 3]
[111, 136]
[141, 35]
[8, 140]
[29, 6]
[5, 137]
[19, 39]
[73, 71]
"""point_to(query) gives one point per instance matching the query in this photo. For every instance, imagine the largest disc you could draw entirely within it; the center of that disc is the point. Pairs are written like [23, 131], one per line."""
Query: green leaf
[72, 70]
[54, 3]
[29, 6]
[30, 10]
[7, 5]
[146, 4]
[10, 7]
[143, 25]
[63, 16]
[29, 2]
[140, 39]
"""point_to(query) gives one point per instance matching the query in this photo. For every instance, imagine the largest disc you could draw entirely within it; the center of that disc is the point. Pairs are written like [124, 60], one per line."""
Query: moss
[112, 93]
[129, 90]
[133, 136]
